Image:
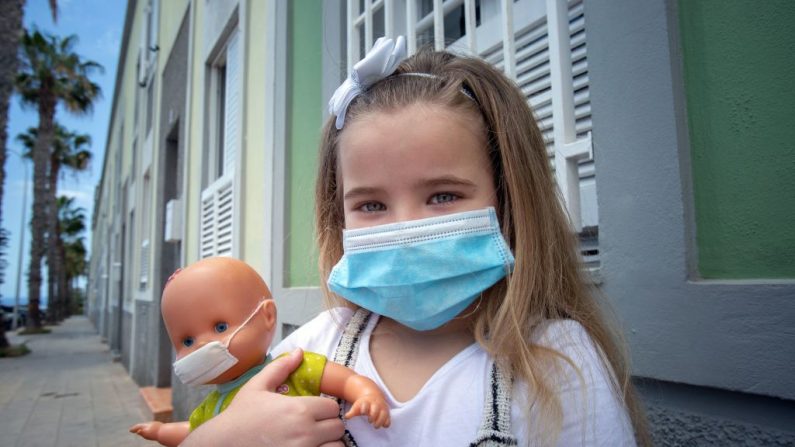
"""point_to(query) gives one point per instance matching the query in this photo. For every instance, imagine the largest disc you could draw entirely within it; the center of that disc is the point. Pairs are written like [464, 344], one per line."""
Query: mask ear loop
[474, 311]
[245, 322]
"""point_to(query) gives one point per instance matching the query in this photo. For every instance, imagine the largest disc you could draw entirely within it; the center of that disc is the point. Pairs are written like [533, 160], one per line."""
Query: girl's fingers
[329, 431]
[321, 407]
[276, 372]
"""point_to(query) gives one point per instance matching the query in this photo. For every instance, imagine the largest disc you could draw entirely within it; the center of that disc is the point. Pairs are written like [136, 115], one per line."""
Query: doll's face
[209, 301]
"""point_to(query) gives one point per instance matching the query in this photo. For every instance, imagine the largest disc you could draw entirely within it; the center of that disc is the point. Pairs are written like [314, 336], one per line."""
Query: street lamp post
[15, 321]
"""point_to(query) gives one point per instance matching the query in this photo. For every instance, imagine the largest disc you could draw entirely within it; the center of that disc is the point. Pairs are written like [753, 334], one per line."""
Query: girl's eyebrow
[447, 180]
[361, 191]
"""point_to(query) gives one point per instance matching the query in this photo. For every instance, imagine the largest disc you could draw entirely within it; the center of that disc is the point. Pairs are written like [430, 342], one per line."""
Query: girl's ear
[269, 313]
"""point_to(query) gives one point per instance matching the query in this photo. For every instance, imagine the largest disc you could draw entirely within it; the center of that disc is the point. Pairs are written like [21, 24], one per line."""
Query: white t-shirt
[448, 410]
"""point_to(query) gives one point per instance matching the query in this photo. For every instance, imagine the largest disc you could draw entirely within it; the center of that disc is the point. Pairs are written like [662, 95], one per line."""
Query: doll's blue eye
[221, 327]
[187, 342]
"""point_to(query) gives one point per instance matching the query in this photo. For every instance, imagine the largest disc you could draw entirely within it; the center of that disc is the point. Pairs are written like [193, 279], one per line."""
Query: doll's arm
[362, 392]
[170, 434]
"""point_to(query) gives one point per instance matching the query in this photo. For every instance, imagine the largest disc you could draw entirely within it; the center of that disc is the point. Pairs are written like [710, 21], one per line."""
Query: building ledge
[158, 401]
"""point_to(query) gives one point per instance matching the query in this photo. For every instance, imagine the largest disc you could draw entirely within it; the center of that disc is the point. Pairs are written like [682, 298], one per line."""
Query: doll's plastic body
[221, 307]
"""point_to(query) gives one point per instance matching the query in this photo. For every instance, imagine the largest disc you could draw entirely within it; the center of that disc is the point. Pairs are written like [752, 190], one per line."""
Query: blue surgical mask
[422, 273]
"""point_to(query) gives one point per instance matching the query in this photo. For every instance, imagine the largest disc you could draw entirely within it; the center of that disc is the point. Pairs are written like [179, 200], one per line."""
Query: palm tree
[68, 151]
[3, 247]
[71, 251]
[51, 74]
[10, 32]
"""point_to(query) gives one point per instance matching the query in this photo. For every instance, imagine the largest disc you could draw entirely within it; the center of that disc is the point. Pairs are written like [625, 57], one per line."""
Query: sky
[98, 25]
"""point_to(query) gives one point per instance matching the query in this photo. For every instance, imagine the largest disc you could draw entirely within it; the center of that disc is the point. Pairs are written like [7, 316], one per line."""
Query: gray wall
[145, 340]
[126, 339]
[153, 349]
[729, 335]
[169, 184]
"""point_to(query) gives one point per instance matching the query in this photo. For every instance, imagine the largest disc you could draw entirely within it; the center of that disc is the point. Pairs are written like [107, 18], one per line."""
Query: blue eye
[187, 342]
[221, 327]
[372, 207]
[443, 197]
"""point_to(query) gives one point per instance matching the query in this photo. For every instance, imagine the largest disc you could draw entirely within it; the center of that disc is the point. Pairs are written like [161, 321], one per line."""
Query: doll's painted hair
[547, 282]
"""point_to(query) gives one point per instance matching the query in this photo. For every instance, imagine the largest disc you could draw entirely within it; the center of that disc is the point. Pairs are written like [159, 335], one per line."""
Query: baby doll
[221, 318]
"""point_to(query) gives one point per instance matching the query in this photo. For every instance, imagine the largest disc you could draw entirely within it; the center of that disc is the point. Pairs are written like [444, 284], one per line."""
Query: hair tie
[381, 61]
[464, 89]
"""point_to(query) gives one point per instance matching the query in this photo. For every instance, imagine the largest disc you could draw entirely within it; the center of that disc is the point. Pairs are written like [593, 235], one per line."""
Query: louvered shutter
[533, 78]
[582, 113]
[207, 223]
[144, 277]
[217, 218]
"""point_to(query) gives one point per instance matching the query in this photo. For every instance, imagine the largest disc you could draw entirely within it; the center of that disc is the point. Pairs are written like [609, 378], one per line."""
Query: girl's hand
[259, 416]
[372, 406]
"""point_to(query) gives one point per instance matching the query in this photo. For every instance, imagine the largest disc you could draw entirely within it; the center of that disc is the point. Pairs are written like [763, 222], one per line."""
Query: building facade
[678, 180]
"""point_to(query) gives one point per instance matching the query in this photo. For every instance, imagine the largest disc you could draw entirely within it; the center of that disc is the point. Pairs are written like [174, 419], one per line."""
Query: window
[147, 59]
[117, 170]
[151, 26]
[139, 69]
[150, 102]
[145, 245]
[540, 44]
[134, 155]
[224, 114]
[128, 257]
[220, 118]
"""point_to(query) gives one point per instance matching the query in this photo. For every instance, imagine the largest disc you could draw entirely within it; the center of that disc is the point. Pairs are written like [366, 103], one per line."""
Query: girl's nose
[406, 213]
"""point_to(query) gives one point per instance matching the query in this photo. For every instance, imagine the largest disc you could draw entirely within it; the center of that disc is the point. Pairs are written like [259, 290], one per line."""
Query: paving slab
[67, 392]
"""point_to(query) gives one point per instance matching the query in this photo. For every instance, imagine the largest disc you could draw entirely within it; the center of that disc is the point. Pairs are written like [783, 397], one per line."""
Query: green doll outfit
[304, 381]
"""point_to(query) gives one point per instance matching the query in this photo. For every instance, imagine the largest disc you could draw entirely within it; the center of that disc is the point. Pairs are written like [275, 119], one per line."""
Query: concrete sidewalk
[67, 392]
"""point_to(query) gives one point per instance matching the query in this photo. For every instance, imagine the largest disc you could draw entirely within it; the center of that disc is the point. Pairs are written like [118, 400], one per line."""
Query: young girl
[453, 275]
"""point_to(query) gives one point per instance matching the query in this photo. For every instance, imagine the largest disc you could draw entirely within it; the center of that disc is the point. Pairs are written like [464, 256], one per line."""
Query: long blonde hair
[547, 282]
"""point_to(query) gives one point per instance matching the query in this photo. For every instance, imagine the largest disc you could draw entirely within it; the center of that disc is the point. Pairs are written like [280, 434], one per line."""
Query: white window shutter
[582, 112]
[534, 77]
[153, 31]
[232, 105]
[207, 224]
[217, 218]
[144, 279]
[225, 218]
[141, 66]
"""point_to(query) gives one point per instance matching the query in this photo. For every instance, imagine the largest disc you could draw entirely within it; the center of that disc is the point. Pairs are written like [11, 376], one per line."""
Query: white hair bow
[380, 62]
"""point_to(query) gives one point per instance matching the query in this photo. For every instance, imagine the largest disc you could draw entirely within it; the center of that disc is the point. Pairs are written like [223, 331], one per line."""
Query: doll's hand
[147, 430]
[372, 406]
[260, 417]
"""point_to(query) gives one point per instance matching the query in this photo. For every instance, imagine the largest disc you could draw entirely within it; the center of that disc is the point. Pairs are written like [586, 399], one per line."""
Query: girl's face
[420, 161]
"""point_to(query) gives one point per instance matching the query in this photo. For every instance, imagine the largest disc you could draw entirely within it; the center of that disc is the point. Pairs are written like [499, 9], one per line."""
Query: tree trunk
[62, 283]
[54, 309]
[10, 32]
[41, 161]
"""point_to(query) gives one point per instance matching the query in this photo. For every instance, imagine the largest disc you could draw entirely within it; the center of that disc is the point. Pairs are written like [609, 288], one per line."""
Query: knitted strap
[349, 343]
[495, 429]
[345, 355]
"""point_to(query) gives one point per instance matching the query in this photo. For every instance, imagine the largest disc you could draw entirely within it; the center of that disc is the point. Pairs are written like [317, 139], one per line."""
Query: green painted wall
[305, 113]
[739, 68]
